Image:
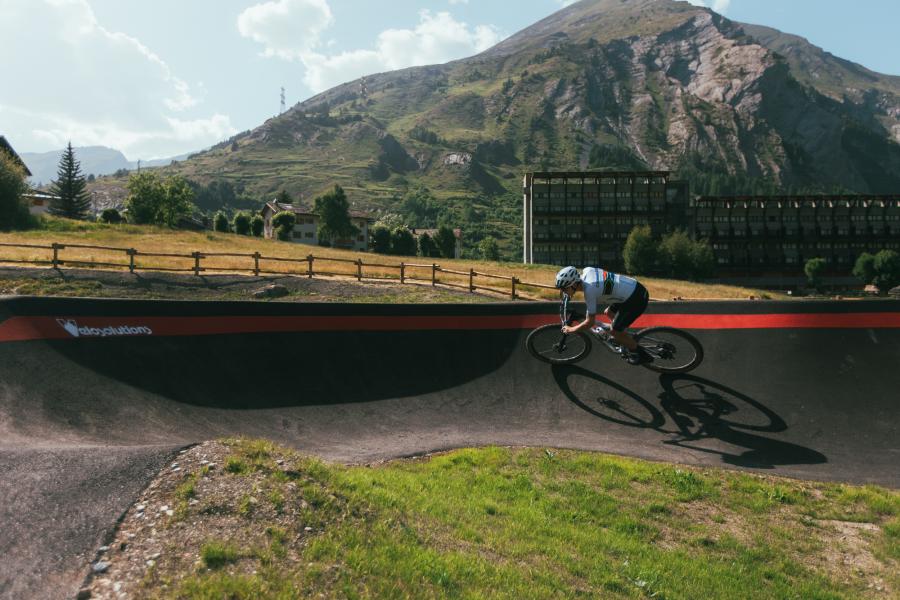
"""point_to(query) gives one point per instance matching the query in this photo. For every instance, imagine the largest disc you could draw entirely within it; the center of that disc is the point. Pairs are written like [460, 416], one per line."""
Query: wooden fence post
[512, 294]
[309, 271]
[256, 263]
[196, 256]
[434, 269]
[131, 252]
[359, 269]
[56, 249]
[471, 280]
[402, 273]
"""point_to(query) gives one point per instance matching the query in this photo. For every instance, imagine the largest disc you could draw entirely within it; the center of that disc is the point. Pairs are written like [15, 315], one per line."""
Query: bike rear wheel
[673, 350]
[549, 344]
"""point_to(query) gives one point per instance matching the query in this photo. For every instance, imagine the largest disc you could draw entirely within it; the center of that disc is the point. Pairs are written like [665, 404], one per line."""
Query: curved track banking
[95, 395]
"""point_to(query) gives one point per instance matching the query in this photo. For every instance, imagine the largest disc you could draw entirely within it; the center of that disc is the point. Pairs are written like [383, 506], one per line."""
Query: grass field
[167, 241]
[263, 522]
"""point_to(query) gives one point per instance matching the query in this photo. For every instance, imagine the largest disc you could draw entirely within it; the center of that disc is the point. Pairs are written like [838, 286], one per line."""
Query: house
[307, 226]
[457, 233]
[6, 147]
[38, 202]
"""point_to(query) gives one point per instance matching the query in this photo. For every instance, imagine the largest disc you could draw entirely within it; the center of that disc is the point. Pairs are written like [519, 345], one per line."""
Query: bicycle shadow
[699, 409]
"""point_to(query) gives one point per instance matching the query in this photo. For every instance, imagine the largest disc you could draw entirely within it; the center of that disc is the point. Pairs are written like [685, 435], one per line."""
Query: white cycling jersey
[605, 288]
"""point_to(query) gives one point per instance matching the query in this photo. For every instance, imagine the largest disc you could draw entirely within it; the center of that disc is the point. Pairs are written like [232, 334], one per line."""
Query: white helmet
[566, 277]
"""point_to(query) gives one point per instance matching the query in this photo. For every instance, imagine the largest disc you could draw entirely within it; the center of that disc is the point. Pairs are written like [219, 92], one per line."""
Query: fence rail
[358, 268]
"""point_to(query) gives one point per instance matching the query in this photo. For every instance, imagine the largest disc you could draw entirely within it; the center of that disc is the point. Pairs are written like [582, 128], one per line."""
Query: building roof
[300, 209]
[4, 145]
[595, 174]
[457, 233]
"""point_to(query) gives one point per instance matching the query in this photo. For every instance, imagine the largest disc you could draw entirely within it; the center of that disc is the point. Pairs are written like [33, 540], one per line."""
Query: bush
[241, 223]
[427, 247]
[381, 240]
[257, 226]
[283, 223]
[640, 251]
[220, 223]
[887, 269]
[489, 249]
[814, 269]
[446, 242]
[110, 215]
[676, 255]
[864, 269]
[403, 243]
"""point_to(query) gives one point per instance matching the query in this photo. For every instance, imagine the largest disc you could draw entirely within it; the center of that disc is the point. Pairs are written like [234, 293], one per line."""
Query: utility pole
[282, 100]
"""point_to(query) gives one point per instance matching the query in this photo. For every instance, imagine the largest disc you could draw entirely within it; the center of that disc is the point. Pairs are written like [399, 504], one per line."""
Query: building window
[309, 234]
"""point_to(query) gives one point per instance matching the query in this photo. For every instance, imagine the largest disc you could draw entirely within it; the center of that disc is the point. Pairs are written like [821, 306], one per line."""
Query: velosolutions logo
[71, 326]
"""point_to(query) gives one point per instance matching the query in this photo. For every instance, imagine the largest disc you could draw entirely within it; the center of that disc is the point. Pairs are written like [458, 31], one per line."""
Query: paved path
[87, 421]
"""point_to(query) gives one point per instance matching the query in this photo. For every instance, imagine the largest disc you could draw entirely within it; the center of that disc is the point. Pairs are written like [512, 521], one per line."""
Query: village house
[307, 226]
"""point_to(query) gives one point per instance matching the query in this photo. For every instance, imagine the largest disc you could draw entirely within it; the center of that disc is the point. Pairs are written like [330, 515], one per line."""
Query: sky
[160, 78]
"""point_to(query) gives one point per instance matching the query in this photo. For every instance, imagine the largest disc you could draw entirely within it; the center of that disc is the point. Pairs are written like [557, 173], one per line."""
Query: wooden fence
[226, 262]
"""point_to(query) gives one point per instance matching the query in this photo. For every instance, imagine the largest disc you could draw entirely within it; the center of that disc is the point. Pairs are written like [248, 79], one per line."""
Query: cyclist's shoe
[640, 357]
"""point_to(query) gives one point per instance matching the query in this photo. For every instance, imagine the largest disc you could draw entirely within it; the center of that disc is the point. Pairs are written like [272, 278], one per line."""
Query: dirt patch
[210, 512]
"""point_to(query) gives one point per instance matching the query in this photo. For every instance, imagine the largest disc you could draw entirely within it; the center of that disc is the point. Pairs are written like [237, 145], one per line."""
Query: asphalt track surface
[801, 389]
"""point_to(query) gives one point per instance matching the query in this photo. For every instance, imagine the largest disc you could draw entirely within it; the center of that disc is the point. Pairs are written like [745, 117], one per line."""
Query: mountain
[96, 160]
[599, 84]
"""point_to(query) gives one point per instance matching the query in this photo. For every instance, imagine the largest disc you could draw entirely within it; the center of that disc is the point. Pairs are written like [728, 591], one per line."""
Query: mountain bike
[673, 350]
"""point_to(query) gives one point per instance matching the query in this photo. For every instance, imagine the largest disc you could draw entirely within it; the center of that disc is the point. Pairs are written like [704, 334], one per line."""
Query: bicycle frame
[601, 331]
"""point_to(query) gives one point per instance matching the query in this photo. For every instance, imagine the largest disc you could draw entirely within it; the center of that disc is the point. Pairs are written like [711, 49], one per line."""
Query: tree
[177, 201]
[703, 259]
[427, 247]
[282, 197]
[864, 269]
[887, 269]
[241, 223]
[220, 222]
[13, 209]
[72, 200]
[110, 215]
[814, 269]
[402, 242]
[334, 216]
[640, 253]
[446, 242]
[381, 240]
[145, 195]
[152, 199]
[257, 226]
[675, 255]
[489, 249]
[283, 223]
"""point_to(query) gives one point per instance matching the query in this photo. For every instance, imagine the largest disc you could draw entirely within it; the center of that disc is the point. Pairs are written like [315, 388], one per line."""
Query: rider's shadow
[700, 409]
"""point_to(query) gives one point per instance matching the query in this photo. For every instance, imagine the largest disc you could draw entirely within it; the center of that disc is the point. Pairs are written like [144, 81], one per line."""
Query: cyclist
[626, 300]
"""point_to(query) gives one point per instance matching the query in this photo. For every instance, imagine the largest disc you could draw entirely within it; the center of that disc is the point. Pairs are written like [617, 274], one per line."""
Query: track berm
[96, 395]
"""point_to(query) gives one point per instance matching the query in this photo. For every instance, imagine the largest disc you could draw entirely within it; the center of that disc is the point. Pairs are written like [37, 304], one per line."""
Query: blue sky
[161, 78]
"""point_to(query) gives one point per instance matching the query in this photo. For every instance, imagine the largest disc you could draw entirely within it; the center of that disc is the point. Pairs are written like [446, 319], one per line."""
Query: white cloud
[459, 1]
[286, 28]
[78, 81]
[565, 3]
[286, 31]
[720, 6]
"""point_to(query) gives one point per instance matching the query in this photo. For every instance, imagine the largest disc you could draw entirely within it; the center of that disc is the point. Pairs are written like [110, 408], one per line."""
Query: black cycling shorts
[626, 313]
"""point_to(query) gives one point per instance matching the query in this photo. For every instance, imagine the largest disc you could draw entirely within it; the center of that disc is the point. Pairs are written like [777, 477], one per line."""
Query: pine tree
[72, 201]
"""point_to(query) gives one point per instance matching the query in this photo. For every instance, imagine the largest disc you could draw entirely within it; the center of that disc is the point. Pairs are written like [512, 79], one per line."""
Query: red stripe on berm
[33, 328]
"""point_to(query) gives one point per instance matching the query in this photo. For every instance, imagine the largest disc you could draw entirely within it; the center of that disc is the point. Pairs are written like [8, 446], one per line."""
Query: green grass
[536, 523]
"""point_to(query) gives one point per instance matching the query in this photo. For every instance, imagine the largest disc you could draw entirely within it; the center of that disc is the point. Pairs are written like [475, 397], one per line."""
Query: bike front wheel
[673, 350]
[549, 344]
